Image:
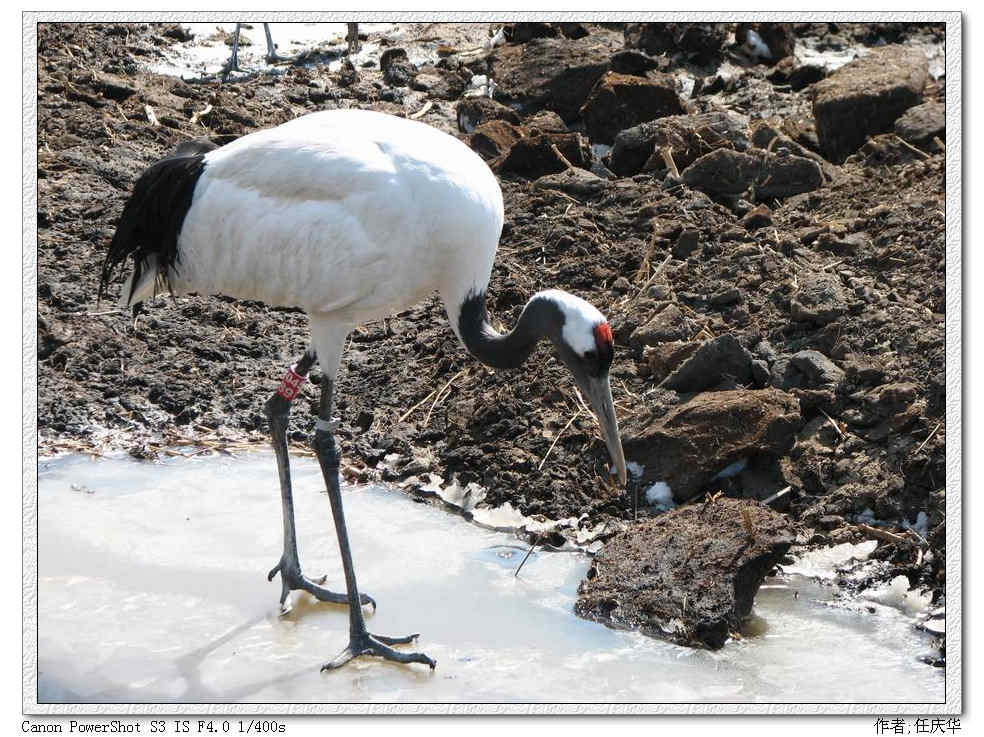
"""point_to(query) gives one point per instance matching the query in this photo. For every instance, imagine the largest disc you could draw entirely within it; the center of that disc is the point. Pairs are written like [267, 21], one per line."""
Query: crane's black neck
[541, 318]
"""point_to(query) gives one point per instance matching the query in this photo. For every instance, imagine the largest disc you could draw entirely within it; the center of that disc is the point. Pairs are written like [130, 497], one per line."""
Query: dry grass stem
[440, 395]
[406, 414]
[547, 454]
[420, 113]
[833, 424]
[667, 155]
[928, 438]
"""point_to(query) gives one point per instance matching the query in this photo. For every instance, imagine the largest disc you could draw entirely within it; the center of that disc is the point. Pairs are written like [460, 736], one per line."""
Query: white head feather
[580, 319]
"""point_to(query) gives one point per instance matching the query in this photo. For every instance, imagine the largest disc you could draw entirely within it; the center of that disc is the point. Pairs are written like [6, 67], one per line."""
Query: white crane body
[350, 213]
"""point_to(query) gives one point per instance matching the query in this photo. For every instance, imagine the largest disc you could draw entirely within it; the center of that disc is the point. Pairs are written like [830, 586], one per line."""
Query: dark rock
[178, 32]
[572, 30]
[728, 172]
[494, 138]
[778, 38]
[439, 83]
[760, 217]
[715, 359]
[817, 370]
[760, 372]
[520, 33]
[922, 122]
[862, 372]
[687, 137]
[702, 39]
[821, 299]
[577, 182]
[534, 156]
[789, 71]
[770, 136]
[113, 88]
[847, 245]
[545, 121]
[620, 101]
[686, 243]
[397, 67]
[667, 324]
[663, 358]
[689, 576]
[471, 112]
[866, 97]
[347, 75]
[726, 297]
[688, 445]
[890, 409]
[552, 73]
[632, 61]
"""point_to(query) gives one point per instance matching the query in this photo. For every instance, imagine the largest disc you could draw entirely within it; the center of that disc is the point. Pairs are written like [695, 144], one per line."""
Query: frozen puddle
[152, 588]
[206, 54]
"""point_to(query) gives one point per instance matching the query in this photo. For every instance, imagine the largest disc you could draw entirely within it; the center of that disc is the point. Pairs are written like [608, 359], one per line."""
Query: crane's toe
[293, 580]
[378, 646]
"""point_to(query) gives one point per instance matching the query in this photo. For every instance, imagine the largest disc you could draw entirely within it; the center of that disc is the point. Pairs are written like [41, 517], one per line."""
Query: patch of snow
[757, 45]
[732, 469]
[898, 595]
[821, 563]
[481, 86]
[502, 519]
[920, 526]
[498, 39]
[600, 150]
[660, 495]
[635, 469]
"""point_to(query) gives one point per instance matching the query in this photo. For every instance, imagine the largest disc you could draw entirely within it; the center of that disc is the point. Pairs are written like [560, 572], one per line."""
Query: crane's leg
[233, 64]
[272, 54]
[353, 38]
[361, 642]
[277, 411]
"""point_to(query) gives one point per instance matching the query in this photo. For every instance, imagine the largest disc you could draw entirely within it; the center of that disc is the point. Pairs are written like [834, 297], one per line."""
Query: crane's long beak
[599, 393]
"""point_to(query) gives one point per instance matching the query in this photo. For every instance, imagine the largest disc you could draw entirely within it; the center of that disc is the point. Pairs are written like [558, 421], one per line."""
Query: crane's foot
[275, 58]
[293, 580]
[378, 646]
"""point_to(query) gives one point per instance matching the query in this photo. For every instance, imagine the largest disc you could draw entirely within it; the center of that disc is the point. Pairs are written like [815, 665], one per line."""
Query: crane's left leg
[289, 567]
[361, 642]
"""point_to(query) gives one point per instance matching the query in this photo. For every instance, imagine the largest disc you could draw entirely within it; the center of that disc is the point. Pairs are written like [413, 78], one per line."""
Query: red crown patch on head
[603, 335]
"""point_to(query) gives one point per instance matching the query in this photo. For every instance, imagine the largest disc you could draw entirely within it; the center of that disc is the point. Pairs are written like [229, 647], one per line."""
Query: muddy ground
[791, 322]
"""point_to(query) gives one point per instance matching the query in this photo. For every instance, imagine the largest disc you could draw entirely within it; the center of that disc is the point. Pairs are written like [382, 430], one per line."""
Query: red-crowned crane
[351, 37]
[352, 216]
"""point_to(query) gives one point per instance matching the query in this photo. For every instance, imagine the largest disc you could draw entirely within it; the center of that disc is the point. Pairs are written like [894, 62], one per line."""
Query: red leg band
[291, 385]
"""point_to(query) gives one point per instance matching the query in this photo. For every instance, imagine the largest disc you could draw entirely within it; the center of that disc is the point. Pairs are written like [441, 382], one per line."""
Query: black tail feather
[153, 216]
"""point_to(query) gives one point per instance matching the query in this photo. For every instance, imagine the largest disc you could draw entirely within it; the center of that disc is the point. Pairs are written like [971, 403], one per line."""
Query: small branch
[928, 438]
[778, 495]
[883, 535]
[831, 421]
[528, 554]
[911, 147]
[406, 414]
[422, 110]
[547, 454]
[563, 159]
[667, 154]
